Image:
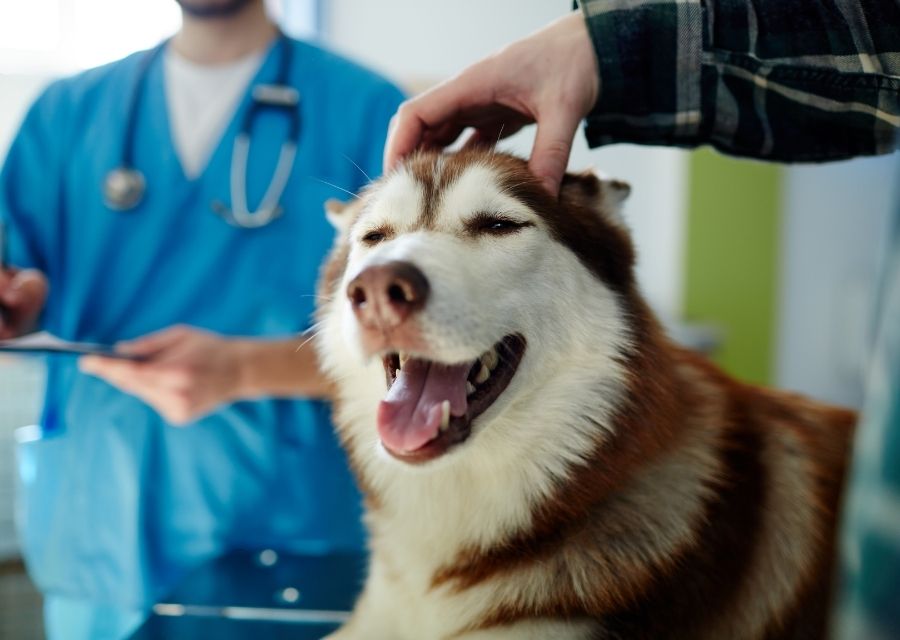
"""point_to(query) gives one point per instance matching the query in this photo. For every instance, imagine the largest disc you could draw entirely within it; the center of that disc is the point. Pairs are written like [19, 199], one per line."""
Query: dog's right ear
[596, 192]
[341, 214]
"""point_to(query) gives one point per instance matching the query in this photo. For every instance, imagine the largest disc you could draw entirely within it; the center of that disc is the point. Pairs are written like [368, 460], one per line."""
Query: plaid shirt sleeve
[787, 80]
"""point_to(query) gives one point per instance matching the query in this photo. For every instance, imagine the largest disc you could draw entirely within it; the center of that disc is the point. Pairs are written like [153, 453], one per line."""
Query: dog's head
[463, 307]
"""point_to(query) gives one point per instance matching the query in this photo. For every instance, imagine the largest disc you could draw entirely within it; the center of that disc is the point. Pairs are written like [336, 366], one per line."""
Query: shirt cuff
[649, 54]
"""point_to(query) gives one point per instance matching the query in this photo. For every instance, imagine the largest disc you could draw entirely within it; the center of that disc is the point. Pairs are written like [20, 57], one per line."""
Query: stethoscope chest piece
[123, 188]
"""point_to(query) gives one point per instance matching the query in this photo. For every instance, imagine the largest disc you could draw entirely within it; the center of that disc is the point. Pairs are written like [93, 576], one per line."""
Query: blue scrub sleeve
[31, 184]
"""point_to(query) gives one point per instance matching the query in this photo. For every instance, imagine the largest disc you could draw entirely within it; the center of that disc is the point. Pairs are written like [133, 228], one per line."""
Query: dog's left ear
[597, 192]
[341, 214]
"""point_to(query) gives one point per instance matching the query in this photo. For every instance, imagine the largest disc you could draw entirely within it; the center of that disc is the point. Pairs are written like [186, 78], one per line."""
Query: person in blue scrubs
[116, 505]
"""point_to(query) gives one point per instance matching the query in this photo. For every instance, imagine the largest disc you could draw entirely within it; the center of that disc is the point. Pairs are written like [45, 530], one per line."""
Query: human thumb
[552, 147]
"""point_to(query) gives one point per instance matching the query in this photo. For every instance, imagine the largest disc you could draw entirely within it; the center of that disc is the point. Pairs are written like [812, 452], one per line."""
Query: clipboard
[44, 343]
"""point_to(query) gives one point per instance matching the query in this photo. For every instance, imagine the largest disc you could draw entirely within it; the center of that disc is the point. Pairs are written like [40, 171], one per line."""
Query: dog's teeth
[445, 415]
[491, 359]
[470, 388]
[483, 374]
[403, 358]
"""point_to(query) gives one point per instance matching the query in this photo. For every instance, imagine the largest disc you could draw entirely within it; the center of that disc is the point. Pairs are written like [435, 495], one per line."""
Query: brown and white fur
[619, 486]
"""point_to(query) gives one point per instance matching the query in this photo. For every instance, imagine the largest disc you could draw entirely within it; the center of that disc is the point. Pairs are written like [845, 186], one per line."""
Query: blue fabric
[73, 619]
[119, 504]
[871, 526]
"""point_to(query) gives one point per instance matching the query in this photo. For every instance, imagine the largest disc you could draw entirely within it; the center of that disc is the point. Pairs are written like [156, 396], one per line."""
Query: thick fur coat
[597, 480]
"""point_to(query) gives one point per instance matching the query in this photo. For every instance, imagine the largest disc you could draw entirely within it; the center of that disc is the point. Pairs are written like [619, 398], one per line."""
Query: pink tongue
[410, 414]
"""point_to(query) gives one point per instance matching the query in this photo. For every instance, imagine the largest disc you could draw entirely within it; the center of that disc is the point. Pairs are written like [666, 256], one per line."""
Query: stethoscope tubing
[279, 96]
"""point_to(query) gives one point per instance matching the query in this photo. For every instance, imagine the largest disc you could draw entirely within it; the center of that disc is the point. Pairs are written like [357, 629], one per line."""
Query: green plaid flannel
[788, 80]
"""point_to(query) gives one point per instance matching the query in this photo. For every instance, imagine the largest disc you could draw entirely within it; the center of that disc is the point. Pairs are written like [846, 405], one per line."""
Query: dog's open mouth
[430, 406]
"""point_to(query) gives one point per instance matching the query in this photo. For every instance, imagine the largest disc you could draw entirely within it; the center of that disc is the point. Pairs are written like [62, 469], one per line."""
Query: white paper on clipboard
[43, 342]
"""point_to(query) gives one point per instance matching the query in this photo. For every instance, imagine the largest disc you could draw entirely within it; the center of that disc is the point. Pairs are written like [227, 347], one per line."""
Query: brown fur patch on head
[585, 217]
[434, 172]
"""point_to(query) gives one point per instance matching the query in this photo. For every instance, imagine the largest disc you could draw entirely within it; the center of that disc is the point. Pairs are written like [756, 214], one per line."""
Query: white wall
[16, 93]
[834, 238]
[418, 42]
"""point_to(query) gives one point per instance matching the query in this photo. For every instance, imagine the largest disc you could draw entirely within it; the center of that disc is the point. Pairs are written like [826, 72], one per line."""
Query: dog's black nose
[384, 295]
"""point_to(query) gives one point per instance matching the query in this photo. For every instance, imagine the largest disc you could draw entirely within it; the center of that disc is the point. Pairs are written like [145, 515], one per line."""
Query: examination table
[260, 594]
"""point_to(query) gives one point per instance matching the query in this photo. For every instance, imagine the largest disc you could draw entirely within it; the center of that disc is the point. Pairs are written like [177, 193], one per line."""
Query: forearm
[766, 79]
[280, 368]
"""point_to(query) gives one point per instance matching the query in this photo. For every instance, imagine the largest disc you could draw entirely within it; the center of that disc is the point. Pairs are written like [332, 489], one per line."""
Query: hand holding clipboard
[23, 293]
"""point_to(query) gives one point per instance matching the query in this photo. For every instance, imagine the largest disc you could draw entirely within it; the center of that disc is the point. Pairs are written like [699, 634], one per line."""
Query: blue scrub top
[117, 504]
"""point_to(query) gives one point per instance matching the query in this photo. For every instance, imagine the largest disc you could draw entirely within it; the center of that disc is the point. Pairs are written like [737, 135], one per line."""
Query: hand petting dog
[549, 78]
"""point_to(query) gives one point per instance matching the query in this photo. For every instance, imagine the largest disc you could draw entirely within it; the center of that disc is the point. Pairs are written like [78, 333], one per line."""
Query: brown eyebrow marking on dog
[435, 173]
[599, 243]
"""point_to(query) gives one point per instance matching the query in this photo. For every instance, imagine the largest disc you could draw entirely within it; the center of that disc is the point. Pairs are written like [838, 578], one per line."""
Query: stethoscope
[124, 187]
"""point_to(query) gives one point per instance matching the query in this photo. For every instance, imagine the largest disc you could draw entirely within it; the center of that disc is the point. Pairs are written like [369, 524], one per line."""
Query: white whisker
[497, 141]
[312, 332]
[325, 182]
[317, 296]
[361, 170]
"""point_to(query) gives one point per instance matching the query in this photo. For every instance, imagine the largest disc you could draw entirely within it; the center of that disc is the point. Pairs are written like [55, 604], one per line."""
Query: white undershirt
[201, 100]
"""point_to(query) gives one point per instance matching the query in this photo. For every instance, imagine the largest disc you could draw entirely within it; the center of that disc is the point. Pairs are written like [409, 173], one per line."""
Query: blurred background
[769, 268]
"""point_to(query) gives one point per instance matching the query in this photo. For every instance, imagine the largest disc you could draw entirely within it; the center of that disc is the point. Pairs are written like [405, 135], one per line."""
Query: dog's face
[462, 302]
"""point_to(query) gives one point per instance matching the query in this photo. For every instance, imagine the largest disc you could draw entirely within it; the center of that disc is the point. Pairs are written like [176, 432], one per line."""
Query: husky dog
[538, 459]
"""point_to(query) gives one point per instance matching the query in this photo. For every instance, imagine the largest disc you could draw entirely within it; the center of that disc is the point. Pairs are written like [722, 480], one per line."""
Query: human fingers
[200, 362]
[120, 373]
[156, 342]
[22, 296]
[169, 392]
[165, 390]
[5, 326]
[404, 135]
[174, 405]
[487, 136]
[441, 136]
[439, 106]
[552, 147]
[6, 276]
[25, 289]
[178, 407]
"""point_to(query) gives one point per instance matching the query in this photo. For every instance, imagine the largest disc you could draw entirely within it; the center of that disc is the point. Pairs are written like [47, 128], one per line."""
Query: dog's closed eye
[494, 224]
[374, 236]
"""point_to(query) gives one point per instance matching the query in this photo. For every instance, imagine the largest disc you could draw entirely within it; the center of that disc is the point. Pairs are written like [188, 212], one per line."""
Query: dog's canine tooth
[470, 388]
[483, 374]
[491, 359]
[403, 359]
[445, 415]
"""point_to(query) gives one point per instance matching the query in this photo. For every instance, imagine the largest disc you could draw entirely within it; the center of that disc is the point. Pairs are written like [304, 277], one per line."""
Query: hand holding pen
[22, 295]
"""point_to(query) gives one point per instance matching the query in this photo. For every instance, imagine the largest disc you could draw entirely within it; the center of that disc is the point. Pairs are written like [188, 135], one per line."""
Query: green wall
[732, 258]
